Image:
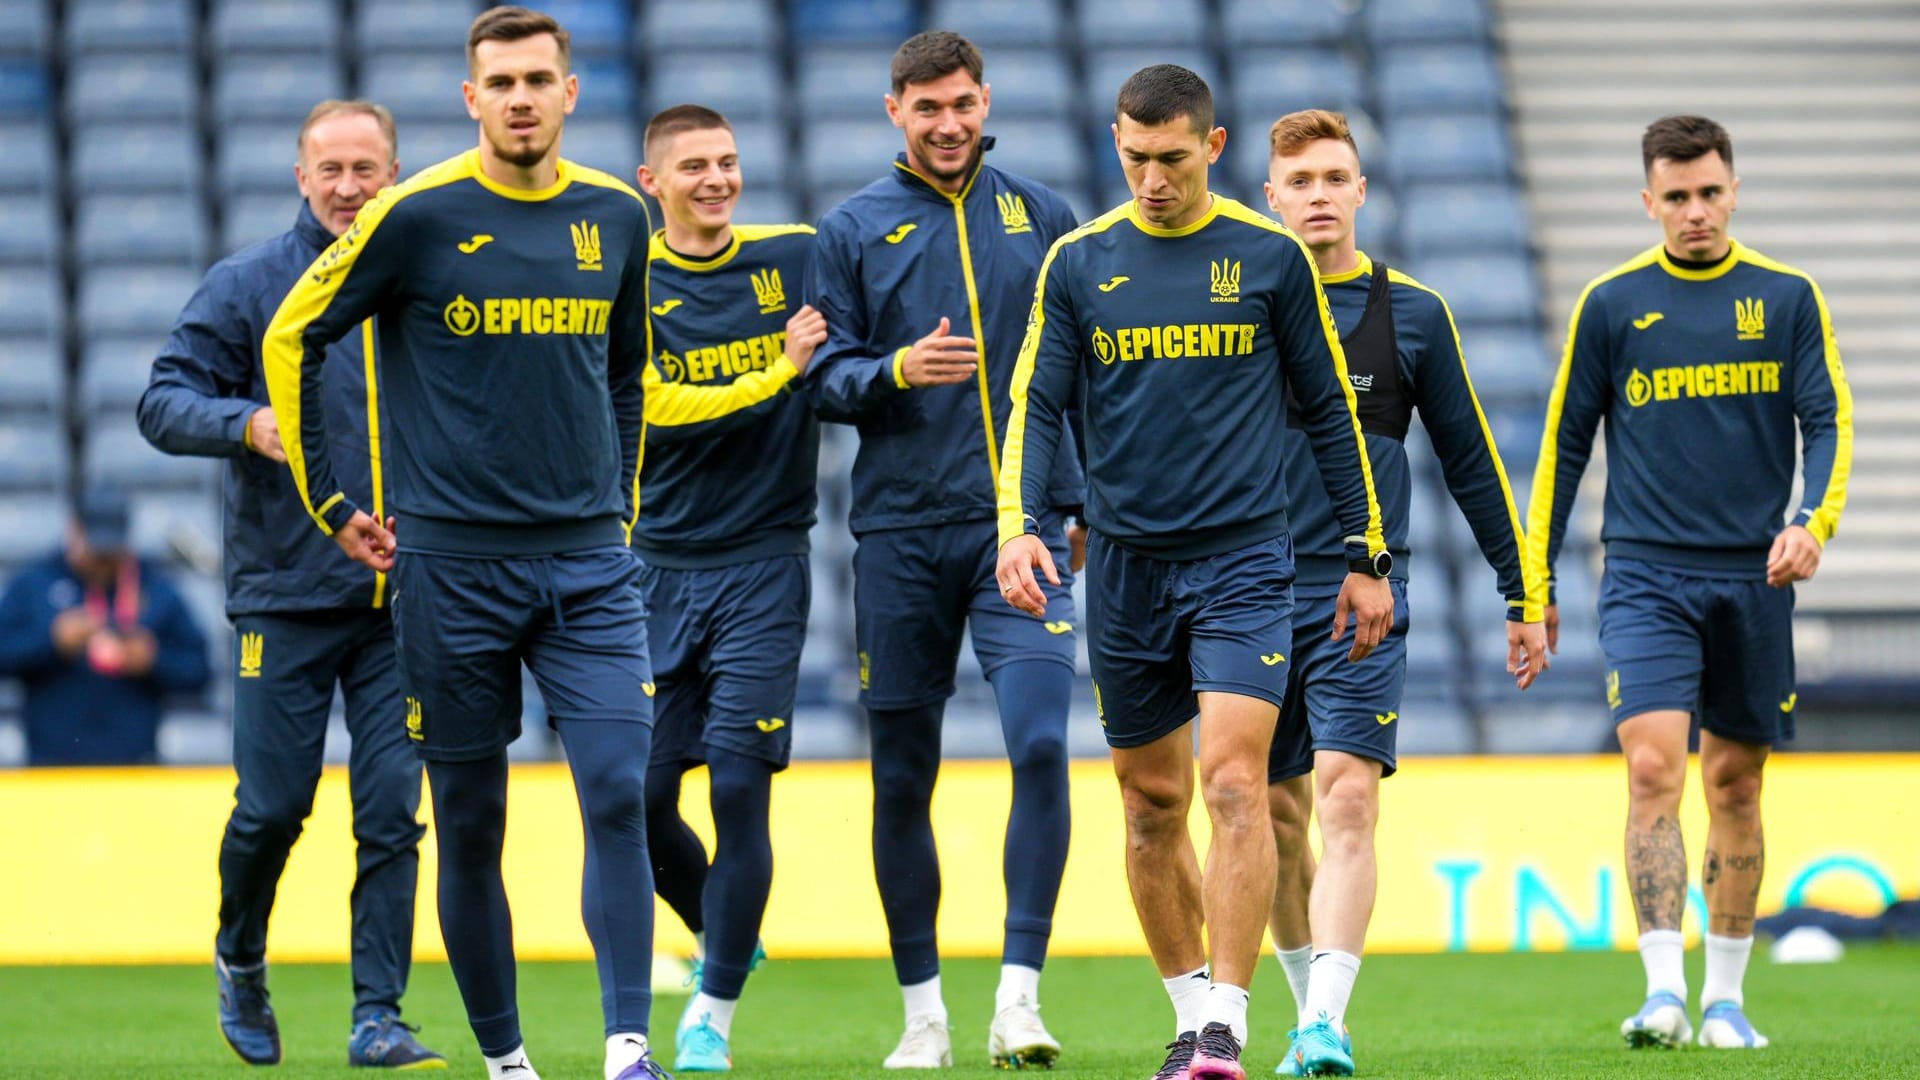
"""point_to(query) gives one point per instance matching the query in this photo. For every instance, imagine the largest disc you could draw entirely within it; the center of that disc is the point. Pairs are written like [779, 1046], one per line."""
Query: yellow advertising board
[119, 865]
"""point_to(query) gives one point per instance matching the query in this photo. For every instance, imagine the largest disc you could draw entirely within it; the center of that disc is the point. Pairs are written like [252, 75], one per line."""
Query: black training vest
[1380, 389]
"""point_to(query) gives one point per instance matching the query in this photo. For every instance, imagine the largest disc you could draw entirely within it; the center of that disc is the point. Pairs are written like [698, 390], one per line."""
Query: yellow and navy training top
[721, 488]
[1420, 368]
[1181, 345]
[512, 333]
[1701, 374]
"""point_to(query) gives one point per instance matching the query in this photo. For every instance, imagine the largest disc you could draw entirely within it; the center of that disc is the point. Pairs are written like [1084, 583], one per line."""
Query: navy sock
[1033, 696]
[679, 859]
[609, 760]
[470, 825]
[742, 874]
[906, 761]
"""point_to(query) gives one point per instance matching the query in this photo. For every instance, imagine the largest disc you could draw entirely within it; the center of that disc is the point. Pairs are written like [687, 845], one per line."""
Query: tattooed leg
[1655, 745]
[1736, 858]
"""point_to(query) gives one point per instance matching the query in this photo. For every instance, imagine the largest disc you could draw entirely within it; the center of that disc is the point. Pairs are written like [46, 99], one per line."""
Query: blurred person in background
[305, 617]
[99, 637]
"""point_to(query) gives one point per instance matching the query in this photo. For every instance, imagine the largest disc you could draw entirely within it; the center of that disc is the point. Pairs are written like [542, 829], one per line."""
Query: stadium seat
[259, 157]
[133, 301]
[844, 82]
[26, 89]
[277, 87]
[873, 22]
[249, 219]
[29, 32]
[1050, 151]
[817, 199]
[738, 85]
[1518, 431]
[153, 159]
[1423, 148]
[1141, 23]
[1425, 22]
[432, 26]
[33, 454]
[114, 373]
[418, 87]
[31, 526]
[768, 206]
[32, 370]
[28, 164]
[667, 28]
[1377, 228]
[29, 231]
[764, 158]
[610, 145]
[1031, 82]
[426, 144]
[1269, 83]
[846, 154]
[169, 525]
[1285, 22]
[599, 29]
[1451, 218]
[606, 88]
[31, 304]
[993, 24]
[275, 26]
[115, 454]
[114, 88]
[1484, 289]
[130, 26]
[139, 229]
[1509, 367]
[1449, 79]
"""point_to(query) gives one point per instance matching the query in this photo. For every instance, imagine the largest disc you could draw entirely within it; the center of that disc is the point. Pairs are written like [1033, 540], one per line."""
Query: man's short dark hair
[678, 120]
[506, 23]
[1682, 139]
[932, 55]
[1163, 92]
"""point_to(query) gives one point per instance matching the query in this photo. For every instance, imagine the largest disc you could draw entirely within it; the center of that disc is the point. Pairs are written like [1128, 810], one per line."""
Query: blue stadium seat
[424, 144]
[31, 526]
[152, 159]
[116, 88]
[422, 86]
[130, 26]
[668, 28]
[276, 26]
[114, 373]
[32, 304]
[610, 145]
[1425, 148]
[1518, 429]
[1141, 23]
[1050, 151]
[1285, 22]
[1428, 22]
[992, 24]
[114, 454]
[597, 28]
[29, 231]
[1448, 79]
[1109, 68]
[1509, 367]
[1376, 228]
[1451, 218]
[1269, 83]
[139, 229]
[843, 155]
[872, 22]
[249, 219]
[26, 90]
[768, 206]
[435, 26]
[1031, 82]
[274, 86]
[164, 525]
[33, 455]
[32, 370]
[1484, 289]
[740, 86]
[259, 157]
[764, 159]
[129, 301]
[606, 88]
[28, 164]
[845, 82]
[29, 32]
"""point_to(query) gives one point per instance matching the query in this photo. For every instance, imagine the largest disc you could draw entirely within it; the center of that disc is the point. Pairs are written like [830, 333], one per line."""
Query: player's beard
[528, 155]
[965, 170]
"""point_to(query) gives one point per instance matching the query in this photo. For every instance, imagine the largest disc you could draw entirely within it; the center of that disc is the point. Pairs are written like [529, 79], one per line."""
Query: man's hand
[805, 331]
[263, 436]
[1795, 557]
[138, 652]
[1370, 601]
[367, 541]
[936, 360]
[72, 629]
[1526, 652]
[1018, 557]
[1552, 623]
[1077, 547]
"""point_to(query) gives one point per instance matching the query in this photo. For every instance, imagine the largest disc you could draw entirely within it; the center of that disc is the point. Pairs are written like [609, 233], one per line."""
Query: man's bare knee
[1287, 816]
[1655, 777]
[1154, 805]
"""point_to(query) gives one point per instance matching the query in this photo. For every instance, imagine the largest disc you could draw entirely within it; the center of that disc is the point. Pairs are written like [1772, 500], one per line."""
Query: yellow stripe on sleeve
[1826, 519]
[677, 404]
[368, 340]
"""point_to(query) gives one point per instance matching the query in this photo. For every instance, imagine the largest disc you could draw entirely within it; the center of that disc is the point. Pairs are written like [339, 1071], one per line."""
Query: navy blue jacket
[207, 380]
[75, 715]
[887, 264]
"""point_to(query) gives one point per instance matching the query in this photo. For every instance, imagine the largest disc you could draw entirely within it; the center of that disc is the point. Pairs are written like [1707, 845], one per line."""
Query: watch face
[1383, 563]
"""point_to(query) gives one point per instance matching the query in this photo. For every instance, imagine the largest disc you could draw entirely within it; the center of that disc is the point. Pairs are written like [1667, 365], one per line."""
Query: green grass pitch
[1533, 1016]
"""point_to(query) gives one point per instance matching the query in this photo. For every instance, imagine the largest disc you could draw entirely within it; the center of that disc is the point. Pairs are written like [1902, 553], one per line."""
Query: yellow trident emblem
[1750, 319]
[252, 649]
[1225, 280]
[416, 722]
[1013, 213]
[769, 290]
[586, 245]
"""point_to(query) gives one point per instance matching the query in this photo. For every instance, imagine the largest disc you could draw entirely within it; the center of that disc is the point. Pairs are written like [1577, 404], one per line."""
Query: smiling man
[925, 277]
[1702, 355]
[1183, 323]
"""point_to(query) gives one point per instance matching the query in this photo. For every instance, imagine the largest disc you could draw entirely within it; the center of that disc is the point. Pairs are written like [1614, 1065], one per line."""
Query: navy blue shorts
[1719, 648]
[463, 627]
[726, 657]
[1159, 632]
[1334, 703]
[914, 592]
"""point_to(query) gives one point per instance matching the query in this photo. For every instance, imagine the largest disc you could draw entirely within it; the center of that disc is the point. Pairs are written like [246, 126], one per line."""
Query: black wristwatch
[1378, 565]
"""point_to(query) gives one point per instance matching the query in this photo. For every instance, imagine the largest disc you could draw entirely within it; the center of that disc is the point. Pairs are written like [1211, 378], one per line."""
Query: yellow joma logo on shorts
[1273, 658]
[1383, 719]
[1792, 700]
[1059, 628]
[646, 688]
[770, 725]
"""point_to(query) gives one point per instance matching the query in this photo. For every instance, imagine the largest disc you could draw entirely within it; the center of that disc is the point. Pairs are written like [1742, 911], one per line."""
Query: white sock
[1726, 969]
[923, 999]
[623, 1049]
[718, 1011]
[1664, 953]
[1017, 981]
[1189, 996]
[1227, 1004]
[512, 1065]
[1330, 987]
[1296, 962]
